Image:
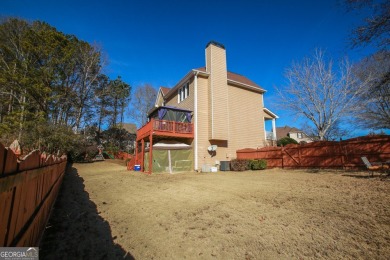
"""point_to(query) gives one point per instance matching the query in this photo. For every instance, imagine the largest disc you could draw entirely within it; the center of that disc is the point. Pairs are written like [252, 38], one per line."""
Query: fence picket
[31, 161]
[5, 214]
[28, 189]
[11, 162]
[2, 158]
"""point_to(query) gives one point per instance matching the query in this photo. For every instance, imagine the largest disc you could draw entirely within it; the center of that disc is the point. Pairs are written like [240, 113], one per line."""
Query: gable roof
[235, 77]
[162, 92]
[232, 78]
[165, 90]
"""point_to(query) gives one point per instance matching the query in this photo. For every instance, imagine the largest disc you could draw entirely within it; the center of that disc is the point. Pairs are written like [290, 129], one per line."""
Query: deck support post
[136, 152]
[142, 154]
[150, 153]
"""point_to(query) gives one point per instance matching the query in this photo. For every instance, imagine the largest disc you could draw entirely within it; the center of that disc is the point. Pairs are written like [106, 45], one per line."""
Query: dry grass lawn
[105, 211]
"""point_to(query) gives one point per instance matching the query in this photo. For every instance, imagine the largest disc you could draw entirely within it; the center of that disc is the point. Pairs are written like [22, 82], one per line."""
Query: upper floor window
[299, 135]
[183, 92]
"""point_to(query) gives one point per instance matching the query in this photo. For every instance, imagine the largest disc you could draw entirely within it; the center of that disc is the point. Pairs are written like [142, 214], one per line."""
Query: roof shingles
[165, 90]
[285, 130]
[236, 77]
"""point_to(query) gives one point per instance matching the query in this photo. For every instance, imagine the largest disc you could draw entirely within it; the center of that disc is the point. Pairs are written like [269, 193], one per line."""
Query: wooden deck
[166, 128]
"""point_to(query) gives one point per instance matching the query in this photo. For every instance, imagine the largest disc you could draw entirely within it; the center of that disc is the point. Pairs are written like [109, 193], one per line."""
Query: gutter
[269, 112]
[247, 86]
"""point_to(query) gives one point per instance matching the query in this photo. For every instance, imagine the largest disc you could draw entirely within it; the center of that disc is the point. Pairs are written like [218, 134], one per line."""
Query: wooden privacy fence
[323, 154]
[123, 155]
[28, 189]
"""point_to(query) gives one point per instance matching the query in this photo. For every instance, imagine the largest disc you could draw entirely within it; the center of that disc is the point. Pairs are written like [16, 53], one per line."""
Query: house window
[299, 135]
[187, 90]
[183, 93]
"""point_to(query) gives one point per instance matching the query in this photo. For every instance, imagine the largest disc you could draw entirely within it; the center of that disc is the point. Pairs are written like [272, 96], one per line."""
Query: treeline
[52, 87]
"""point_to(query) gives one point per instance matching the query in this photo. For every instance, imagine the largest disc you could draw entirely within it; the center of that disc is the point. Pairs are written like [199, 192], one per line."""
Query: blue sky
[158, 42]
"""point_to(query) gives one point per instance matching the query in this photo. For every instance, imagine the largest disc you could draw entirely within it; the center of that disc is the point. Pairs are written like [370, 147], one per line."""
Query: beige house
[294, 133]
[226, 111]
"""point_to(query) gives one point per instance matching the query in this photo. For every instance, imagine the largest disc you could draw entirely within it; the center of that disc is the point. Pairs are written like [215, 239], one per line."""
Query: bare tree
[89, 69]
[375, 69]
[320, 93]
[375, 28]
[334, 133]
[141, 102]
[375, 100]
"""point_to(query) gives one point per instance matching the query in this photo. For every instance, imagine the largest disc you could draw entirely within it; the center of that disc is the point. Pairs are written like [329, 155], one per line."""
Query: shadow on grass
[359, 176]
[365, 175]
[75, 229]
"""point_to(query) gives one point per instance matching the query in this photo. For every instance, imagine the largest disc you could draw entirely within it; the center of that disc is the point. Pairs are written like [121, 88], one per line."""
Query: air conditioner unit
[225, 166]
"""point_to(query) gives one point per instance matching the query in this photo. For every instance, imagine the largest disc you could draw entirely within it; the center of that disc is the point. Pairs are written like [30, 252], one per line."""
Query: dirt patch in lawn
[105, 211]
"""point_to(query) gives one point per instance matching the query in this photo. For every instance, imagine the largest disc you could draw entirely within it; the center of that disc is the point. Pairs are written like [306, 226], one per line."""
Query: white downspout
[196, 120]
[211, 86]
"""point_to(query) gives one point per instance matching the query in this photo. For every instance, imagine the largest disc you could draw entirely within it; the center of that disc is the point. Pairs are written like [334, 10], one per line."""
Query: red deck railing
[166, 128]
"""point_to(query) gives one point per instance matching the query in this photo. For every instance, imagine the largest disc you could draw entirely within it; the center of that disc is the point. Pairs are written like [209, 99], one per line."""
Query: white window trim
[187, 90]
[183, 93]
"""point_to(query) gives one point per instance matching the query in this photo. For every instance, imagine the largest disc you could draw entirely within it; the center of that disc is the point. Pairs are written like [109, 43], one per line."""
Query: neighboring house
[211, 112]
[294, 133]
[130, 128]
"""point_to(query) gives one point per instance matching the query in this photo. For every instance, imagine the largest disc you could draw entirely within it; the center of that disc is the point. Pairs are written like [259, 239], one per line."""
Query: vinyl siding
[304, 137]
[203, 121]
[246, 128]
[218, 94]
[246, 124]
[187, 103]
[160, 99]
